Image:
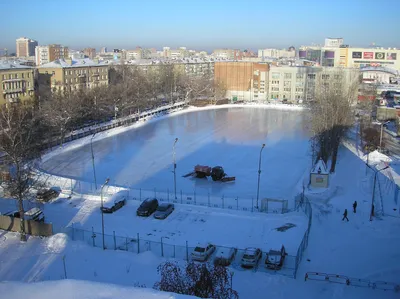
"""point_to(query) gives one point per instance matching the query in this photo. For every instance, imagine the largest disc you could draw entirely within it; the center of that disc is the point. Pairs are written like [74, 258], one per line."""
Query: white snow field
[366, 252]
[228, 137]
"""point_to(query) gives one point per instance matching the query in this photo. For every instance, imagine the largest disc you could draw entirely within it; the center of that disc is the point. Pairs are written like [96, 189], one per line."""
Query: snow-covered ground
[229, 137]
[358, 249]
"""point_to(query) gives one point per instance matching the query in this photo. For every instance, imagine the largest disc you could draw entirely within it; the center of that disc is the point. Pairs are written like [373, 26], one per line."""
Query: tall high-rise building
[26, 47]
[90, 52]
[103, 50]
[46, 54]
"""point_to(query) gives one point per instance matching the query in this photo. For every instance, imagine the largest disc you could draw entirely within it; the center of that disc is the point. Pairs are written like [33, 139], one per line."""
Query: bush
[201, 280]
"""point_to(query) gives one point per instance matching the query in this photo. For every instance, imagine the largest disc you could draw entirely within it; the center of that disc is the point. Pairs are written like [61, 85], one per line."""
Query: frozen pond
[228, 137]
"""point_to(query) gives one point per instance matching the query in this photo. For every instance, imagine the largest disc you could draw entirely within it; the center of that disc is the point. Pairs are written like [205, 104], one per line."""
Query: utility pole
[174, 160]
[94, 169]
[259, 173]
[102, 213]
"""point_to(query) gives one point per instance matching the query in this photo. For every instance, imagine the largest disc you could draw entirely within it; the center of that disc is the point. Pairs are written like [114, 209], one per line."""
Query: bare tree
[20, 139]
[332, 111]
[201, 280]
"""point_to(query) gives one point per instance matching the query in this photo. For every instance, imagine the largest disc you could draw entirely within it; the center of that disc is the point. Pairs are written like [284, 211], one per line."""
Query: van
[34, 214]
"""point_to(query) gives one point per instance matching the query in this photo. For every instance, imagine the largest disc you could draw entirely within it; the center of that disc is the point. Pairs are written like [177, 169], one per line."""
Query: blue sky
[202, 24]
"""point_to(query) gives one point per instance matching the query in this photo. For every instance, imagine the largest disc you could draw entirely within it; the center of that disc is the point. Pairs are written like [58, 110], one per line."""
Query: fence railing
[303, 203]
[343, 279]
[162, 248]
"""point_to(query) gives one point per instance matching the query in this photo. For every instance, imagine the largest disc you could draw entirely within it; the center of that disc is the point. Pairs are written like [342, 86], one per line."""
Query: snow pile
[376, 157]
[68, 289]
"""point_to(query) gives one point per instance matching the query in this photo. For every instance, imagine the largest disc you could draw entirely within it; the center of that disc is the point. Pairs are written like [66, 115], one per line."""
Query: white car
[117, 201]
[251, 257]
[202, 252]
[224, 256]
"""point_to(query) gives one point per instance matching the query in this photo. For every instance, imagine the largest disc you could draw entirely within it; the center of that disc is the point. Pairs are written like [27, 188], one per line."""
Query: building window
[325, 77]
[70, 72]
[311, 76]
[299, 76]
[299, 89]
[22, 75]
[275, 82]
[275, 75]
[66, 81]
[274, 88]
[287, 83]
[288, 76]
[287, 89]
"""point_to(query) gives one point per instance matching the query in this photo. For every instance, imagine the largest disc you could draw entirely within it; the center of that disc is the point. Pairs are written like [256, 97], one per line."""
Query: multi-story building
[26, 47]
[103, 50]
[227, 54]
[17, 82]
[90, 53]
[179, 53]
[46, 54]
[70, 75]
[244, 81]
[295, 84]
[276, 53]
[333, 42]
[133, 54]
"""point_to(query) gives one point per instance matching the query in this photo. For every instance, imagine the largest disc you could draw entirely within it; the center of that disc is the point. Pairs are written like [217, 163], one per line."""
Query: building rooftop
[8, 65]
[61, 63]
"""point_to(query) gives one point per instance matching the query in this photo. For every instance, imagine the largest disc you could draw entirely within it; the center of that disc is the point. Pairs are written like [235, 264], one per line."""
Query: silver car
[251, 257]
[164, 210]
[202, 252]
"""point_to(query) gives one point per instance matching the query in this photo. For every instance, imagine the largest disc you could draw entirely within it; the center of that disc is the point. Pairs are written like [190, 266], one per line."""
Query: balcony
[14, 90]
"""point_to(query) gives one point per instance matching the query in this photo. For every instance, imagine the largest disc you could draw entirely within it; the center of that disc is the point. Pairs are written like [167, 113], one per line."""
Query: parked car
[34, 214]
[164, 210]
[202, 252]
[275, 258]
[47, 194]
[117, 201]
[147, 207]
[224, 256]
[251, 257]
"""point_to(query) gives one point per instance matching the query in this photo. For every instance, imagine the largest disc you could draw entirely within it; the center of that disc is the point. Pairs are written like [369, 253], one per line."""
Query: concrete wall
[31, 227]
[319, 180]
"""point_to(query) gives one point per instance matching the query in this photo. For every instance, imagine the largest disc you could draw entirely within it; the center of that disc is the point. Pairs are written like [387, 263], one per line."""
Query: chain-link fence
[303, 203]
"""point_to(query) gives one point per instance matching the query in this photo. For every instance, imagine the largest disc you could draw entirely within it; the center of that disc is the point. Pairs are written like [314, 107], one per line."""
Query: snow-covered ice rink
[228, 137]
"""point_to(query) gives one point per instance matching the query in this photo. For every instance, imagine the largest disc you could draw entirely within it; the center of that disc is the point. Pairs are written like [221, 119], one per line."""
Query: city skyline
[204, 26]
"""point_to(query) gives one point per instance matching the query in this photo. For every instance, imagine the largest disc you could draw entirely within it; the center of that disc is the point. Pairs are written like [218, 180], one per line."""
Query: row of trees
[25, 128]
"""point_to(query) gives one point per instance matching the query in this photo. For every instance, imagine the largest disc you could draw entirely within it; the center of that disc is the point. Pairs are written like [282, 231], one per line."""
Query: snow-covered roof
[61, 63]
[320, 167]
[9, 65]
[376, 157]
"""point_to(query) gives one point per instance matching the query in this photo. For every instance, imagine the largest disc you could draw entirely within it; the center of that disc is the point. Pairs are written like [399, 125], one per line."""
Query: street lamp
[373, 189]
[259, 173]
[102, 213]
[174, 158]
[94, 169]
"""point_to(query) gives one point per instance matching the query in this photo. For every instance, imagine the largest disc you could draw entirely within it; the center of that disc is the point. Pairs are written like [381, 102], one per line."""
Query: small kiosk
[320, 175]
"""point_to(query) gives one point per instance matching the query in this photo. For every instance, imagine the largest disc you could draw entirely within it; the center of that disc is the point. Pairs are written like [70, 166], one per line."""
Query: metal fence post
[65, 268]
[168, 194]
[162, 248]
[194, 192]
[115, 241]
[208, 195]
[187, 251]
[138, 245]
[181, 197]
[93, 236]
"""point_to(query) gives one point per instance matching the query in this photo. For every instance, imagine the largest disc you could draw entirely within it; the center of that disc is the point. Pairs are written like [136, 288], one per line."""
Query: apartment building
[277, 53]
[244, 81]
[179, 53]
[227, 54]
[296, 84]
[132, 54]
[25, 47]
[17, 82]
[49, 53]
[70, 75]
[89, 53]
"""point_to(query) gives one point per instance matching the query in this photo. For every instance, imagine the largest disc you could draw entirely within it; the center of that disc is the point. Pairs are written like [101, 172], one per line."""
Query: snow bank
[376, 157]
[68, 289]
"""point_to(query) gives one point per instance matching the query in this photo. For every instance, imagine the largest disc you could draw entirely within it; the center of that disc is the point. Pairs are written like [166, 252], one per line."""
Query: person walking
[345, 215]
[355, 207]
